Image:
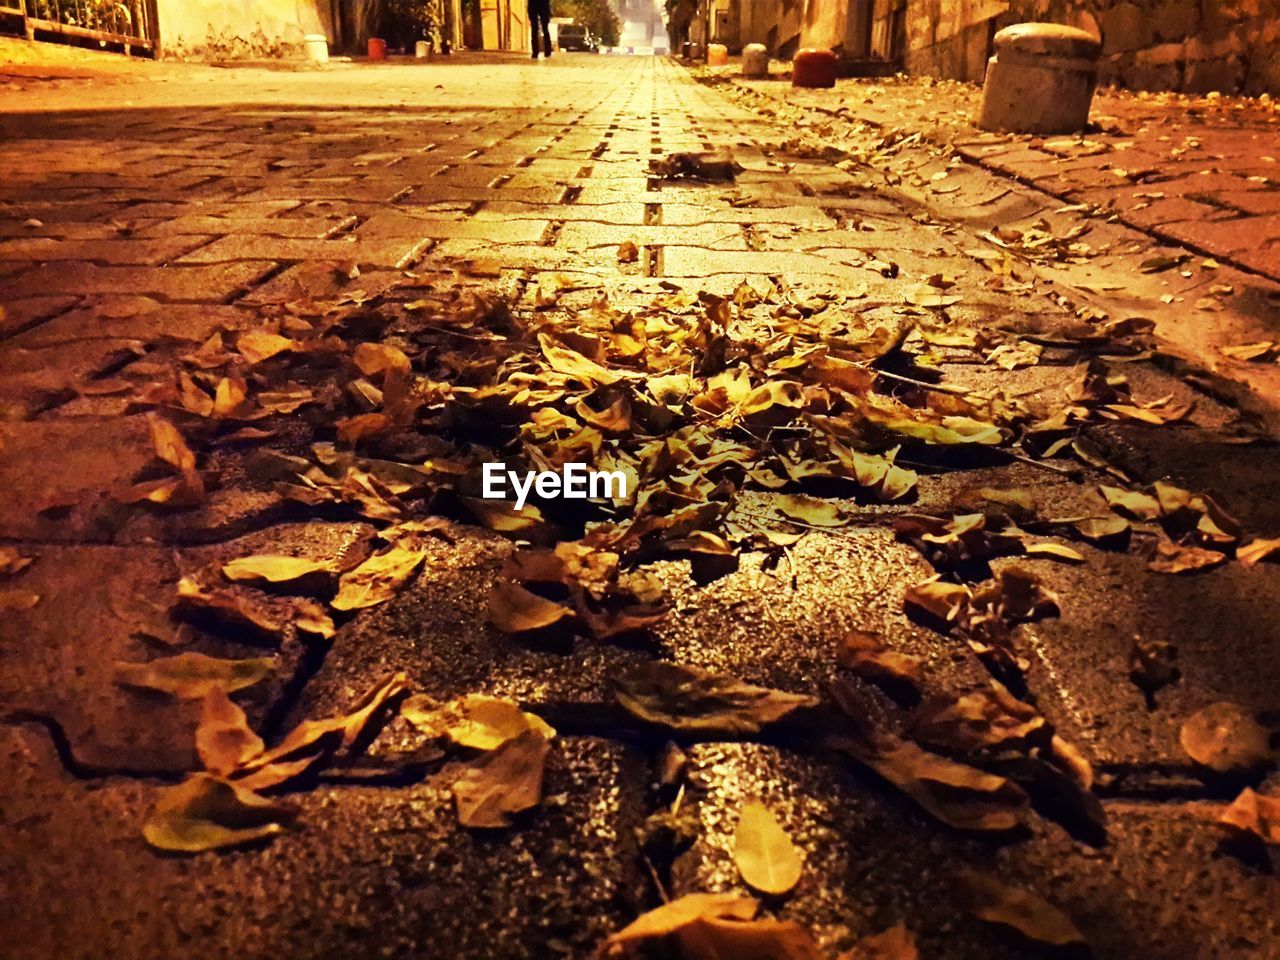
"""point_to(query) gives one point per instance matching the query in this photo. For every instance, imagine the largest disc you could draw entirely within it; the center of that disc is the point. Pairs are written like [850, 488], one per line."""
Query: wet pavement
[141, 213]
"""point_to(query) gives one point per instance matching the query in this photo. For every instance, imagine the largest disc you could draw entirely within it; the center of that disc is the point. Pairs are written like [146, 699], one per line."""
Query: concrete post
[1041, 79]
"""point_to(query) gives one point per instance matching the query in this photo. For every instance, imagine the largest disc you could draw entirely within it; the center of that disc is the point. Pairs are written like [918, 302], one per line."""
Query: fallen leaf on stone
[1253, 815]
[192, 676]
[1173, 557]
[475, 721]
[1029, 914]
[710, 926]
[1153, 665]
[1226, 738]
[310, 617]
[986, 719]
[867, 655]
[939, 599]
[12, 601]
[1054, 551]
[686, 698]
[1256, 551]
[378, 579]
[227, 607]
[1263, 351]
[628, 252]
[207, 813]
[810, 510]
[503, 782]
[313, 743]
[677, 915]
[224, 741]
[274, 568]
[896, 943]
[767, 859]
[514, 609]
[229, 397]
[1105, 531]
[259, 345]
[1139, 506]
[375, 358]
[12, 562]
[169, 444]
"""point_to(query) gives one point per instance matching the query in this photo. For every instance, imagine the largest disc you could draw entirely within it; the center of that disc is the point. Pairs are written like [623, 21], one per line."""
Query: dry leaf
[378, 579]
[475, 721]
[169, 445]
[273, 568]
[867, 655]
[192, 676]
[1226, 738]
[987, 719]
[628, 252]
[227, 607]
[1253, 815]
[375, 358]
[679, 913]
[939, 599]
[514, 609]
[207, 813]
[224, 740]
[810, 510]
[503, 782]
[259, 345]
[1132, 503]
[1256, 551]
[13, 601]
[766, 857]
[1175, 558]
[12, 562]
[896, 943]
[1030, 915]
[686, 698]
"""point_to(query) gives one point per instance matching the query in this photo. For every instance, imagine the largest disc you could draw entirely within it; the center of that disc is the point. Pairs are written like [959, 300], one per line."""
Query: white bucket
[317, 46]
[422, 49]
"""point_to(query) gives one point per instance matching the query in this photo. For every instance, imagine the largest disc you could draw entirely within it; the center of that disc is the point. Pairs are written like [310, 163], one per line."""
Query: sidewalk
[1167, 208]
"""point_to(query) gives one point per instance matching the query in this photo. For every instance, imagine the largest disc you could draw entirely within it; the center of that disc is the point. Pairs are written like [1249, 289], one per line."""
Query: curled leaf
[514, 609]
[224, 740]
[503, 782]
[686, 698]
[378, 579]
[475, 721]
[207, 813]
[1253, 815]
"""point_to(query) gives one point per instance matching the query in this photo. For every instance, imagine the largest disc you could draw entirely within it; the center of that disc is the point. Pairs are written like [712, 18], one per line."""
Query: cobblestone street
[1067, 364]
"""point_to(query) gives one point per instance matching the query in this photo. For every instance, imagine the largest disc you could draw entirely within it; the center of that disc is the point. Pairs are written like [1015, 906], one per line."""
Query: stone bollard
[1041, 79]
[814, 68]
[717, 55]
[317, 47]
[755, 61]
[422, 50]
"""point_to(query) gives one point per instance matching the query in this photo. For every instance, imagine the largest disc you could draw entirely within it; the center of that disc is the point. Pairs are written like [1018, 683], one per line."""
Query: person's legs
[546, 30]
[533, 28]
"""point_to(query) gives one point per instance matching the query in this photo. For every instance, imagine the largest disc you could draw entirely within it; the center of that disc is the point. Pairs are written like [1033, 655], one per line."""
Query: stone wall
[239, 29]
[1198, 46]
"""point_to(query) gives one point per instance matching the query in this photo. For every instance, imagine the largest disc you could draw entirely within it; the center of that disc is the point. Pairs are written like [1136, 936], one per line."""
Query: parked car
[574, 36]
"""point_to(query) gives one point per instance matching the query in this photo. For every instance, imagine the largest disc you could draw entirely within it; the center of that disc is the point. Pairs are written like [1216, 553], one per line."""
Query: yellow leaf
[273, 568]
[1176, 558]
[939, 599]
[1253, 814]
[475, 721]
[12, 562]
[12, 601]
[378, 579]
[810, 510]
[680, 913]
[191, 676]
[169, 445]
[1054, 551]
[229, 396]
[1258, 550]
[206, 813]
[1139, 506]
[766, 857]
[375, 358]
[258, 345]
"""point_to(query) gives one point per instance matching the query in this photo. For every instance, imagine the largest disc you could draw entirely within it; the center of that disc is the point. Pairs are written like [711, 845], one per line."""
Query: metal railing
[129, 23]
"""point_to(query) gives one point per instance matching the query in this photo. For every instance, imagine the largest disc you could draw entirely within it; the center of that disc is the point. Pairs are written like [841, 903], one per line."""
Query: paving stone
[368, 252]
[365, 871]
[581, 236]
[392, 224]
[136, 318]
[21, 314]
[190, 284]
[32, 379]
[117, 251]
[1159, 889]
[293, 227]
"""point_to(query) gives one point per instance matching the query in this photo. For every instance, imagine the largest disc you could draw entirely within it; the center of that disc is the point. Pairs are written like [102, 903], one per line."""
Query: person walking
[540, 20]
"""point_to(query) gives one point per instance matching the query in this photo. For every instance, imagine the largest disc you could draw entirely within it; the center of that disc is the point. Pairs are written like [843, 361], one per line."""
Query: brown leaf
[867, 655]
[206, 812]
[678, 914]
[224, 740]
[503, 782]
[12, 562]
[1176, 558]
[810, 510]
[169, 445]
[1132, 503]
[259, 345]
[192, 676]
[765, 856]
[944, 601]
[12, 601]
[514, 609]
[375, 358]
[628, 252]
[896, 943]
[686, 698]
[378, 579]
[1226, 738]
[1253, 814]
[275, 568]
[1029, 914]
[987, 719]
[228, 607]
